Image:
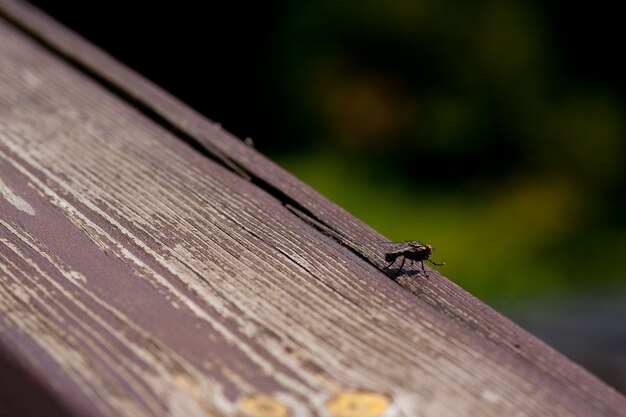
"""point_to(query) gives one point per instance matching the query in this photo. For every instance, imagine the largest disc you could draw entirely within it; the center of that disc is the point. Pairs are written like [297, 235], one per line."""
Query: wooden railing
[153, 265]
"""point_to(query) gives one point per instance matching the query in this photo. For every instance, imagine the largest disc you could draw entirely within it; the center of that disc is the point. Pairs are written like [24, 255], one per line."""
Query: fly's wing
[401, 247]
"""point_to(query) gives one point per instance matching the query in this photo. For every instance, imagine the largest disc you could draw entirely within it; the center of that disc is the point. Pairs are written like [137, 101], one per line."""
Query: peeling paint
[87, 229]
[15, 200]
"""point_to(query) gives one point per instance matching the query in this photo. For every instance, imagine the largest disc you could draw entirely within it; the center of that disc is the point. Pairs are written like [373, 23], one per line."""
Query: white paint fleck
[15, 200]
[490, 396]
[20, 293]
[31, 78]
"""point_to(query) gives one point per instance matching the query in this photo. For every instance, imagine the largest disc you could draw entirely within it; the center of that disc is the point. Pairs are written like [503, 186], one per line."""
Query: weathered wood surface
[141, 276]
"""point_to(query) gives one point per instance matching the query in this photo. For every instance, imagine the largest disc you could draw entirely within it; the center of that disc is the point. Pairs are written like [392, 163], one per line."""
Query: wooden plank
[139, 277]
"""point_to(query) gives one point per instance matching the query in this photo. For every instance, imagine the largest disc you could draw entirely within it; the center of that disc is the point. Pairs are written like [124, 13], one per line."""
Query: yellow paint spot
[185, 383]
[262, 406]
[357, 404]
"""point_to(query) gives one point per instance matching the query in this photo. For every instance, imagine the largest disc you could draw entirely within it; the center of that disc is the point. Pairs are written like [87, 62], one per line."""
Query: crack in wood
[204, 147]
[353, 245]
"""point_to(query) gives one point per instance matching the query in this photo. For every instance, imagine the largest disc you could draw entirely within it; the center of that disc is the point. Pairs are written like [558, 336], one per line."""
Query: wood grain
[139, 277]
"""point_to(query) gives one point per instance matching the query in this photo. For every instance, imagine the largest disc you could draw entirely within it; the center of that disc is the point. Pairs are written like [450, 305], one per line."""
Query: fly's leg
[401, 265]
[435, 263]
[422, 263]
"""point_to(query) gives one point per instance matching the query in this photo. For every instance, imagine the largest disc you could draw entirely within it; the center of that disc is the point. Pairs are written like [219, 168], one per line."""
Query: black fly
[415, 251]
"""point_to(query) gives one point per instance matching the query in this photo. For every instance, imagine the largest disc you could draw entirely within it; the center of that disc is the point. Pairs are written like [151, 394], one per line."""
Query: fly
[412, 250]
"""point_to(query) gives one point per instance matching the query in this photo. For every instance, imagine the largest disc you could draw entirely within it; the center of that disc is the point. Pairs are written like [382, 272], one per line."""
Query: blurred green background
[492, 129]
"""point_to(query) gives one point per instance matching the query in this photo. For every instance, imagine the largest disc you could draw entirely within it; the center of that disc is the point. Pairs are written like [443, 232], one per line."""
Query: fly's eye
[429, 248]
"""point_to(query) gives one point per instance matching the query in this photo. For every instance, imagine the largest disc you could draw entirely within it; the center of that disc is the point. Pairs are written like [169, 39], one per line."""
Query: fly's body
[412, 250]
